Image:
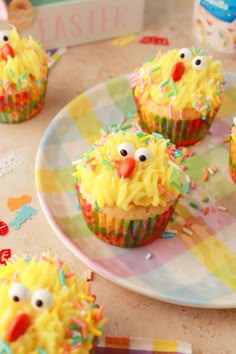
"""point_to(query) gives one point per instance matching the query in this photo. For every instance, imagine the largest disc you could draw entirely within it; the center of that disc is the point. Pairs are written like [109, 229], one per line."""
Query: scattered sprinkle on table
[187, 231]
[168, 235]
[222, 208]
[124, 40]
[148, 256]
[193, 205]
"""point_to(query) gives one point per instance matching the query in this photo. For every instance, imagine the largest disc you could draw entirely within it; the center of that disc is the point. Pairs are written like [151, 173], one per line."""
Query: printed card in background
[66, 23]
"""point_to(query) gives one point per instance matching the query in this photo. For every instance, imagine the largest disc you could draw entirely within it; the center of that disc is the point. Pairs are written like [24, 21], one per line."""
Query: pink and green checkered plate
[196, 270]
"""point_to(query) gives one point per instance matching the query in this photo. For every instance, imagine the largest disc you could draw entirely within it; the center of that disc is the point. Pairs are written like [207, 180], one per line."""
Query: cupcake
[178, 94]
[46, 309]
[128, 185]
[23, 77]
[232, 151]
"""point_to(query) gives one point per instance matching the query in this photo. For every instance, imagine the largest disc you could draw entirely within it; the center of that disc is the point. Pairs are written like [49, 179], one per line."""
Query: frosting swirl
[128, 169]
[185, 78]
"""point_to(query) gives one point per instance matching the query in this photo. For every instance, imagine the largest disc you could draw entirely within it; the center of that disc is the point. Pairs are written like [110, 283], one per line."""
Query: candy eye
[126, 149]
[41, 299]
[142, 154]
[198, 62]
[185, 53]
[18, 292]
[4, 36]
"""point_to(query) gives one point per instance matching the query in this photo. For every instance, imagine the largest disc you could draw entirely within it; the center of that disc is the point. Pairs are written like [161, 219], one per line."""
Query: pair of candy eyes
[198, 62]
[127, 150]
[40, 298]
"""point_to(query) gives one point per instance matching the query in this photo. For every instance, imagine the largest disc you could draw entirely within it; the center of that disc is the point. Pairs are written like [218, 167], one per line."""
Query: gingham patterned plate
[197, 270]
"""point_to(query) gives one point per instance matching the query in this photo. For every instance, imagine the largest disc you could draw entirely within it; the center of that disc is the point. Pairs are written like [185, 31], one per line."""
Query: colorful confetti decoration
[4, 255]
[154, 40]
[22, 215]
[3, 228]
[16, 202]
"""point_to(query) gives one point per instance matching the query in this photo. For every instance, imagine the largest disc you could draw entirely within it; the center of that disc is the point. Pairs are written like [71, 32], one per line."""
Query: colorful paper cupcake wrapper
[24, 105]
[232, 159]
[180, 132]
[124, 233]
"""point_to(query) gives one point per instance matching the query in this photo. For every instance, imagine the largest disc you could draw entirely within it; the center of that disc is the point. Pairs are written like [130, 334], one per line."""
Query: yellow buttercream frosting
[154, 180]
[28, 64]
[199, 84]
[57, 305]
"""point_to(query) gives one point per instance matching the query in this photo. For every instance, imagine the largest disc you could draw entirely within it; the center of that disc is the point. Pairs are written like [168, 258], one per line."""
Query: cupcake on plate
[128, 185]
[45, 308]
[178, 94]
[232, 151]
[23, 77]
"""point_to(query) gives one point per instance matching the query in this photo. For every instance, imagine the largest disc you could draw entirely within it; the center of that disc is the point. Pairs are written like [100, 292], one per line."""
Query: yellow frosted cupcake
[46, 309]
[23, 77]
[232, 152]
[128, 185]
[178, 94]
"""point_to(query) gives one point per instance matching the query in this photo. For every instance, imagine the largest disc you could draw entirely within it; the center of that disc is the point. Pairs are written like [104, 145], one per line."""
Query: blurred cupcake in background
[23, 77]
[178, 94]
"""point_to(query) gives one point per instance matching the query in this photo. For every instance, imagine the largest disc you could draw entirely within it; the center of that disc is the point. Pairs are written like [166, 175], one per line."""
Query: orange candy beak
[6, 50]
[177, 71]
[18, 326]
[126, 167]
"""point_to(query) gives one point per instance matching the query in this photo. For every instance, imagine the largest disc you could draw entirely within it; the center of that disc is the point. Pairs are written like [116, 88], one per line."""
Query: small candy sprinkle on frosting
[185, 78]
[127, 168]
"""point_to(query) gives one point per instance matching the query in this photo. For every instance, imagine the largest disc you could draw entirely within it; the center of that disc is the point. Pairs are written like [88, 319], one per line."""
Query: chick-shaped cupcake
[46, 309]
[23, 77]
[232, 151]
[128, 185]
[178, 94]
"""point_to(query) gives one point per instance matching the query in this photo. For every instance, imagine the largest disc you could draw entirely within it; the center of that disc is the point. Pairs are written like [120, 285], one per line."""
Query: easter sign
[69, 23]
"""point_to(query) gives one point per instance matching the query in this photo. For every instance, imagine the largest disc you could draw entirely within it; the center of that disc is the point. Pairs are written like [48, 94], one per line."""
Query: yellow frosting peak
[28, 62]
[49, 304]
[184, 78]
[130, 169]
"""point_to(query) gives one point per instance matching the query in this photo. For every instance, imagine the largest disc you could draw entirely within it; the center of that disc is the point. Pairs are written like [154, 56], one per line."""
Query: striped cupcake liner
[180, 132]
[232, 159]
[22, 105]
[124, 233]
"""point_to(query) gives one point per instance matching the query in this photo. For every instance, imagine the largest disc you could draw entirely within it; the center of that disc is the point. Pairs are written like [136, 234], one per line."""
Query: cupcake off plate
[194, 270]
